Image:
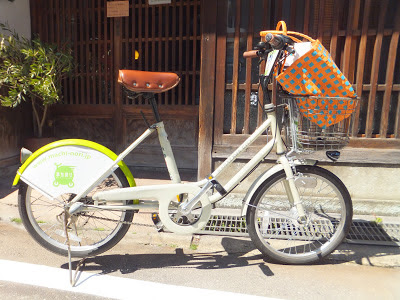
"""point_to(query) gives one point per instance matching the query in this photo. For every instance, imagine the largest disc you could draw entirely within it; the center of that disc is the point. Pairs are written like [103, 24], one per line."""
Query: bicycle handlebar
[251, 54]
[276, 41]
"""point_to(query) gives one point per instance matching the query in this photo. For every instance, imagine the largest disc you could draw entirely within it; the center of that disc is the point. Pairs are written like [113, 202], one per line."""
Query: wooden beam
[348, 155]
[185, 112]
[335, 28]
[363, 87]
[194, 54]
[220, 73]
[118, 123]
[207, 83]
[375, 68]
[306, 17]
[321, 19]
[180, 51]
[267, 18]
[99, 47]
[235, 75]
[394, 42]
[397, 121]
[349, 45]
[248, 70]
[101, 111]
[361, 64]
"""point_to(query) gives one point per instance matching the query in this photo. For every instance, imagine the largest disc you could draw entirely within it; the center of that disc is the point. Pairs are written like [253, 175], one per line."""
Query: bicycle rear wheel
[90, 232]
[274, 226]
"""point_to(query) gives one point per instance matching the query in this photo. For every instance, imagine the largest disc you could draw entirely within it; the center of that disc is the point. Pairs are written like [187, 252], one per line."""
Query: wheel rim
[277, 224]
[88, 230]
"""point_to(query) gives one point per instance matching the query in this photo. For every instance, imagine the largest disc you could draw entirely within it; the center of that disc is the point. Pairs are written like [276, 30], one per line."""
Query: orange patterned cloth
[326, 112]
[316, 74]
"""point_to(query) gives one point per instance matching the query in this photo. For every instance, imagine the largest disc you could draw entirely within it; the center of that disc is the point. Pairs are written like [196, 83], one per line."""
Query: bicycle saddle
[147, 82]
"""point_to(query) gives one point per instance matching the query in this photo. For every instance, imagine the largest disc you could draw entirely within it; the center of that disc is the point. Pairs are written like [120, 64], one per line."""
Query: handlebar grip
[275, 41]
[250, 54]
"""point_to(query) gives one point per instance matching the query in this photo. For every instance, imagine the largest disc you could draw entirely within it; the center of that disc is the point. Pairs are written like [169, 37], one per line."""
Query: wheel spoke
[276, 228]
[93, 232]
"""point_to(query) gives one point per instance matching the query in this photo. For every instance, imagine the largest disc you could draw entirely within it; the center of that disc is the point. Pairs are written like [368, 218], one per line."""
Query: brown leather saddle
[147, 82]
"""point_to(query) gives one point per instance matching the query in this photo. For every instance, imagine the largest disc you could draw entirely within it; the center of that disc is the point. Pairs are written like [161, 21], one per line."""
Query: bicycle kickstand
[81, 263]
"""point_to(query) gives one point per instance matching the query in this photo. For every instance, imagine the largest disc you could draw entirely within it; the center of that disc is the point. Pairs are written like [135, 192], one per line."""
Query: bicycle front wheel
[276, 229]
[90, 232]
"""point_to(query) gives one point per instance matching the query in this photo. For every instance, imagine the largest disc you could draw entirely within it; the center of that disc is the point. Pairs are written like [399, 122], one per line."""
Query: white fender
[256, 184]
[264, 176]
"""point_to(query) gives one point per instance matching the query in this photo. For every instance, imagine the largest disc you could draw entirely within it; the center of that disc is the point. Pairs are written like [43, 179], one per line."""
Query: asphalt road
[225, 264]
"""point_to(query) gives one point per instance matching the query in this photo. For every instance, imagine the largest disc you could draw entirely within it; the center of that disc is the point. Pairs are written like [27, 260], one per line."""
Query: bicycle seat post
[153, 102]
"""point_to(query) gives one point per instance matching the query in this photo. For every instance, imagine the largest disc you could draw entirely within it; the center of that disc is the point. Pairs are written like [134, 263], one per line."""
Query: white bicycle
[79, 198]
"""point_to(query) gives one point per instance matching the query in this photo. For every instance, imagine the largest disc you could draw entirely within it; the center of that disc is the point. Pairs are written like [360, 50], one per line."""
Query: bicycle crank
[189, 223]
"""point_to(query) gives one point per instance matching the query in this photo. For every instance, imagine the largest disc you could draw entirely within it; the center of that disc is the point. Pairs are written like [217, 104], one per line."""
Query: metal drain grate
[226, 225]
[365, 232]
[361, 232]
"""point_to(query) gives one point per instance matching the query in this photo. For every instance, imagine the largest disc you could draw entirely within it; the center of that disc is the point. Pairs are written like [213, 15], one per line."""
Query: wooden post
[394, 42]
[117, 51]
[361, 64]
[235, 75]
[220, 65]
[207, 84]
[375, 69]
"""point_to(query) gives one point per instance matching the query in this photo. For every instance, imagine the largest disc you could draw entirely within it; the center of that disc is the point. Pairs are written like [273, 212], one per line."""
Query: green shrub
[31, 70]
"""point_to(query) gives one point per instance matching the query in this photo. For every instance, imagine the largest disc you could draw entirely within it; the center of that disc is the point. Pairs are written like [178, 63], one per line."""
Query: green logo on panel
[64, 175]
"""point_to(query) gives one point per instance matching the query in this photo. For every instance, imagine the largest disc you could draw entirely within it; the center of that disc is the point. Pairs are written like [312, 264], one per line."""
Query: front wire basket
[318, 123]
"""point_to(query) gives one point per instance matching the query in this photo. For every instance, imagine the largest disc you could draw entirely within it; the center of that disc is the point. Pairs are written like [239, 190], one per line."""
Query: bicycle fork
[289, 184]
[291, 189]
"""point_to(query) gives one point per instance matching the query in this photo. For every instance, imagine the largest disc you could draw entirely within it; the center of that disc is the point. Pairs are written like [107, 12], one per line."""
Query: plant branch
[36, 117]
[44, 116]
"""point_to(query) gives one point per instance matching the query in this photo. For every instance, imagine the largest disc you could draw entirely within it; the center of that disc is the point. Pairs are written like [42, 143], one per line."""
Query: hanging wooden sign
[117, 9]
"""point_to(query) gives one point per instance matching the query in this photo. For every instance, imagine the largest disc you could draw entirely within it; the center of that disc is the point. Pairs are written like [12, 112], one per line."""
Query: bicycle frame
[80, 192]
[166, 192]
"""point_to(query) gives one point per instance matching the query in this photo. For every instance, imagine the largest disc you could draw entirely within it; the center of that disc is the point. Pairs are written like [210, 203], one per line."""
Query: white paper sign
[66, 169]
[300, 49]
[270, 61]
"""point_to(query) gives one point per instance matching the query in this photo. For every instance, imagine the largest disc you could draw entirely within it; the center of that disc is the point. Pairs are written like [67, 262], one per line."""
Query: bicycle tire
[273, 225]
[91, 233]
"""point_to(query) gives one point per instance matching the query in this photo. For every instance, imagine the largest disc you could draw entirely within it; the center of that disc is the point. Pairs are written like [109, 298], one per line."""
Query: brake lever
[264, 55]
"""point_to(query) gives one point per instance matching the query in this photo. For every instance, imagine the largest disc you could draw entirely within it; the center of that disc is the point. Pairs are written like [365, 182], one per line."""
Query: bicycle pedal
[157, 222]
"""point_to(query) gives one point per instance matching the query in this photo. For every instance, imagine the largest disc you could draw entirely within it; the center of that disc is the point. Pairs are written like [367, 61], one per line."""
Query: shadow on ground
[6, 180]
[6, 188]
[236, 255]
[128, 263]
[371, 255]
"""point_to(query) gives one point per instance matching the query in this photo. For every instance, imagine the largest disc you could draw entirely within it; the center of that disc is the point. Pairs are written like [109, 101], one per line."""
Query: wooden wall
[362, 37]
[192, 35]
[94, 106]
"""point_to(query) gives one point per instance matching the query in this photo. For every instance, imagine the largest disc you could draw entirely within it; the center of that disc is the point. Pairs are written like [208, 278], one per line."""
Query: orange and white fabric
[316, 74]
